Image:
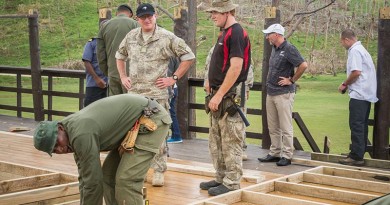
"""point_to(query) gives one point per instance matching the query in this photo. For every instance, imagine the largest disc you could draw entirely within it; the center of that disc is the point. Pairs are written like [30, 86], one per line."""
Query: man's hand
[126, 82]
[207, 87]
[284, 81]
[343, 87]
[165, 82]
[100, 82]
[214, 102]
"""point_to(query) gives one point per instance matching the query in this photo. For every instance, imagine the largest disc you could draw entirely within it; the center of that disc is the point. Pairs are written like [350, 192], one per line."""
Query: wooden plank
[33, 182]
[66, 178]
[66, 200]
[376, 163]
[357, 174]
[230, 198]
[313, 163]
[357, 184]
[323, 193]
[248, 175]
[294, 178]
[207, 203]
[21, 170]
[267, 199]
[29, 196]
[263, 187]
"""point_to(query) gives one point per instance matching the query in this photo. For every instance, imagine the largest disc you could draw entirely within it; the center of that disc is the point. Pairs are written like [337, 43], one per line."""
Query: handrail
[49, 73]
[52, 72]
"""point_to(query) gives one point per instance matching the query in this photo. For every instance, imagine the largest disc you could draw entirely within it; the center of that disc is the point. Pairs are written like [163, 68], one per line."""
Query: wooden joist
[25, 185]
[248, 175]
[343, 182]
[33, 182]
[357, 174]
[40, 194]
[323, 193]
[375, 163]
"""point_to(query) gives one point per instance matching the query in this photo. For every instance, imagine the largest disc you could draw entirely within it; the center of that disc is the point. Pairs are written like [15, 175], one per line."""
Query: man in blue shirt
[96, 87]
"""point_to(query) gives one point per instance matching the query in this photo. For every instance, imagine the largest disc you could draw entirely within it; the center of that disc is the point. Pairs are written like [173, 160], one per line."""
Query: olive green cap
[45, 136]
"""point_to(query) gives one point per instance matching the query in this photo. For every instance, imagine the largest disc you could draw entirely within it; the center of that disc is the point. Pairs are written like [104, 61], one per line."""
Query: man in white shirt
[361, 84]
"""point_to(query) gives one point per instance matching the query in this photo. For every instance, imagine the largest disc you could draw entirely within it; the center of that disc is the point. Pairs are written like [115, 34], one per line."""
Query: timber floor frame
[318, 186]
[28, 185]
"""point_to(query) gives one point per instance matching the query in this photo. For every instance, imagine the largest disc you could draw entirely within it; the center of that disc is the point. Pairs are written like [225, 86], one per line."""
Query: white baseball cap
[275, 28]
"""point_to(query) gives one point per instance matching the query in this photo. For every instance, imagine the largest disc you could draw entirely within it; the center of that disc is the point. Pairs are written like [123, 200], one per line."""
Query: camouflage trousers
[159, 163]
[225, 146]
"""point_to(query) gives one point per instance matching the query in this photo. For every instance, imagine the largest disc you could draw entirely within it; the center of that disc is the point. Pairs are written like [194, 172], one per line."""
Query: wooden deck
[181, 184]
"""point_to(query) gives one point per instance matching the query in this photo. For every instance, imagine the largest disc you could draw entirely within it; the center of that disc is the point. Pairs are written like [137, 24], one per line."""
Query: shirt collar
[355, 44]
[281, 45]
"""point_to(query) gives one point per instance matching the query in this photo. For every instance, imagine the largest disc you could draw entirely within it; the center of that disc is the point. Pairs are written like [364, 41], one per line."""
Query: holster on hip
[206, 103]
[225, 106]
[128, 143]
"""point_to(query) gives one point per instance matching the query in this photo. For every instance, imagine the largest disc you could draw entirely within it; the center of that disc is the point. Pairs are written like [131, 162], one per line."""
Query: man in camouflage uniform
[248, 85]
[109, 37]
[229, 66]
[149, 49]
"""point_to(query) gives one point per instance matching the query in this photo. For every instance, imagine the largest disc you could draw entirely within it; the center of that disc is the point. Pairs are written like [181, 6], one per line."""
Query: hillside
[65, 26]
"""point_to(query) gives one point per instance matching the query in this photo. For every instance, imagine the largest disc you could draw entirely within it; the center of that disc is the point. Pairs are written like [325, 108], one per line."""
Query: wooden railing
[50, 93]
[197, 82]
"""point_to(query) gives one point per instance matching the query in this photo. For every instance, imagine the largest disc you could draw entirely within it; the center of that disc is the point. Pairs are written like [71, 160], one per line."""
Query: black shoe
[283, 162]
[208, 185]
[221, 189]
[269, 158]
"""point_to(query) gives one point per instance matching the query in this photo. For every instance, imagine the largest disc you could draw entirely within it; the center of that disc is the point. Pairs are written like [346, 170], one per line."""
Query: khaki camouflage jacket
[148, 60]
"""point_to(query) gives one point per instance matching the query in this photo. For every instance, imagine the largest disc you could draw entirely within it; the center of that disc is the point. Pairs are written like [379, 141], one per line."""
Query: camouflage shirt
[149, 59]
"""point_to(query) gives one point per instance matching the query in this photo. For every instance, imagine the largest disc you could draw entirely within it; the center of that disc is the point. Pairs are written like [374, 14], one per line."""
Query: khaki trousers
[279, 118]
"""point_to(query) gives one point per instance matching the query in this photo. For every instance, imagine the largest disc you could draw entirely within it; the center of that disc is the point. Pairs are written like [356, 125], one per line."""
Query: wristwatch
[175, 77]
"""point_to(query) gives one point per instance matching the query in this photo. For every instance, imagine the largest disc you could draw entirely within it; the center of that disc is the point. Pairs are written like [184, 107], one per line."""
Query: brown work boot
[158, 179]
[350, 161]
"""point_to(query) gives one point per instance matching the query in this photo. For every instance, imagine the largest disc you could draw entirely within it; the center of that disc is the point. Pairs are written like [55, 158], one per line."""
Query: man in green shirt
[109, 37]
[102, 126]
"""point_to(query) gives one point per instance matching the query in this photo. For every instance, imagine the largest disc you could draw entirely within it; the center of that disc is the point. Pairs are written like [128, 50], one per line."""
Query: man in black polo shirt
[229, 66]
[280, 94]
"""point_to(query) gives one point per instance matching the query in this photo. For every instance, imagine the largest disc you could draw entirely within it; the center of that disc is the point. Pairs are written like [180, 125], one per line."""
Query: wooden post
[35, 59]
[382, 107]
[185, 28]
[104, 14]
[272, 17]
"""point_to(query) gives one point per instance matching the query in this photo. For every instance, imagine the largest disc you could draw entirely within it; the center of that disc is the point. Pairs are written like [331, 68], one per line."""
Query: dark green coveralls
[101, 127]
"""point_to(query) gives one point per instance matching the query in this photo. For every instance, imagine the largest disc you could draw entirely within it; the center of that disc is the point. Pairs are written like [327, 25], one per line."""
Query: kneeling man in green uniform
[115, 124]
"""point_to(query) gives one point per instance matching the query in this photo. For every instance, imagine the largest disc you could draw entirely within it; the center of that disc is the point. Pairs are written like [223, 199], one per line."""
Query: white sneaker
[158, 179]
[244, 156]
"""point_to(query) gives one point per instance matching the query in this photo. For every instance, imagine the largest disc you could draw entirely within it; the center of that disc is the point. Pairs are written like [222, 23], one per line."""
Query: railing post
[36, 77]
[382, 108]
[272, 16]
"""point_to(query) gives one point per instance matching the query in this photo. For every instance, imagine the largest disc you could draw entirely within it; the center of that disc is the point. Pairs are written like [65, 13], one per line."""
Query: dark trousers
[359, 111]
[175, 124]
[94, 93]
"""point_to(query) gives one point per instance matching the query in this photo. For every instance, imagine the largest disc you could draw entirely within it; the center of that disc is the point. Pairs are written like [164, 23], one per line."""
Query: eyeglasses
[144, 17]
